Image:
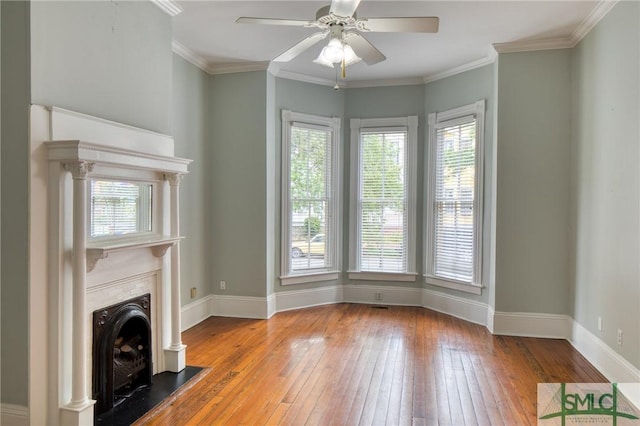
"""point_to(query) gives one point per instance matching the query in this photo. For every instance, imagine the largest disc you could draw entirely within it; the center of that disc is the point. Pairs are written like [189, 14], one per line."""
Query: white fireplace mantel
[70, 149]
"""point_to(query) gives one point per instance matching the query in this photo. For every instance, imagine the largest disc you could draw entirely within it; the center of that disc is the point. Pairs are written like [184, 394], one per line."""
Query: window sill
[383, 276]
[454, 285]
[309, 278]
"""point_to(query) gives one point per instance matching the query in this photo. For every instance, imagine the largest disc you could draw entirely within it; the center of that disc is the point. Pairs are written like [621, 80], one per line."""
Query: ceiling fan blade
[300, 47]
[365, 50]
[344, 8]
[271, 21]
[400, 25]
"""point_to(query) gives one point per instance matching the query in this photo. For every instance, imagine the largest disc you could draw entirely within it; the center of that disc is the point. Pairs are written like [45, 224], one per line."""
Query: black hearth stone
[145, 399]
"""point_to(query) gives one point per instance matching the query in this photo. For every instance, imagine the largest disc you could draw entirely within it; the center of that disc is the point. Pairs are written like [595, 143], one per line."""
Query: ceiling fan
[346, 45]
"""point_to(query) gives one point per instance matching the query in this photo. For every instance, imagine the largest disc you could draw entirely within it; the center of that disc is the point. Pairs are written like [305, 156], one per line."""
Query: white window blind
[382, 213]
[454, 198]
[382, 241]
[454, 201]
[119, 208]
[311, 180]
[310, 192]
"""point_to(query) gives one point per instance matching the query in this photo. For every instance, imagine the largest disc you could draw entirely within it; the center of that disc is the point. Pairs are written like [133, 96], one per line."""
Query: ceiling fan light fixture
[350, 56]
[321, 60]
[334, 51]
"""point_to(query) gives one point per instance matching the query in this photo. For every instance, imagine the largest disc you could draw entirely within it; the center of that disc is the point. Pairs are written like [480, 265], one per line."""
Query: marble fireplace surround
[72, 275]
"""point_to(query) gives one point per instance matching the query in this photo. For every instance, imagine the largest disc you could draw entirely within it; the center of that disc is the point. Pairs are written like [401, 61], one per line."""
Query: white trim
[297, 299]
[411, 81]
[14, 415]
[275, 70]
[490, 324]
[453, 285]
[171, 8]
[383, 276]
[190, 56]
[534, 45]
[598, 12]
[197, 311]
[333, 222]
[309, 278]
[459, 307]
[437, 120]
[478, 63]
[240, 306]
[611, 364]
[358, 126]
[235, 67]
[528, 324]
[400, 296]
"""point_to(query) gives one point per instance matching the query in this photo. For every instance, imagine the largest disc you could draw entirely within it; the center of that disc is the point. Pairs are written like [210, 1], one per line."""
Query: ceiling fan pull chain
[344, 69]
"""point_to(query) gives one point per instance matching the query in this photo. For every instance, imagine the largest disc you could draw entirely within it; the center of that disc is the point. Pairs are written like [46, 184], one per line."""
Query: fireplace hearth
[122, 355]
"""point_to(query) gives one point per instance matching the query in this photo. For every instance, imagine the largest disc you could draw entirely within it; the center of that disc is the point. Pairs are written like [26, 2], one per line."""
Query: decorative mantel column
[80, 409]
[175, 354]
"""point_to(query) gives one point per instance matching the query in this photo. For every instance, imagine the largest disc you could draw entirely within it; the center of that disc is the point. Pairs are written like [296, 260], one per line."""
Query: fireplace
[81, 273]
[122, 351]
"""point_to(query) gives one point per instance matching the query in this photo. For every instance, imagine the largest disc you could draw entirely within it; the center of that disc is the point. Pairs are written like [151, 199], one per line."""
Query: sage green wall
[456, 91]
[190, 131]
[107, 59]
[381, 102]
[534, 138]
[14, 223]
[605, 177]
[306, 98]
[238, 166]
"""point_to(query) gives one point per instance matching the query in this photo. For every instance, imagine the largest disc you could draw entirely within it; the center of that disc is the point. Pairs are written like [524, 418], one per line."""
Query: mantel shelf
[100, 250]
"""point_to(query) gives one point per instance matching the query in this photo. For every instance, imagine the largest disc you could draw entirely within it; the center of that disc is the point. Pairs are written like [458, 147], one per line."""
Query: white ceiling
[468, 29]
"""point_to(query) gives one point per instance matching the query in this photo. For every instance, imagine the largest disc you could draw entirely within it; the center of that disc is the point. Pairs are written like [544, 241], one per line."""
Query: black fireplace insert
[122, 361]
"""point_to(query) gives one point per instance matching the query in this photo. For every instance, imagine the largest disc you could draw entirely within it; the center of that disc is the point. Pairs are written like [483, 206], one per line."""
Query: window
[310, 198]
[383, 198]
[454, 198]
[119, 208]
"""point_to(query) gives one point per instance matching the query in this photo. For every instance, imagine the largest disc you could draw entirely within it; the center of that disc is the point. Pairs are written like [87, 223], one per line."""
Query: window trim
[331, 124]
[154, 208]
[410, 123]
[437, 121]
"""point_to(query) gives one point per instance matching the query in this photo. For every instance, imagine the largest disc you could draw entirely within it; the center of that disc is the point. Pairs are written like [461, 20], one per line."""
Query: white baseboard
[297, 299]
[614, 367]
[459, 307]
[490, 319]
[526, 324]
[403, 296]
[240, 306]
[14, 415]
[196, 311]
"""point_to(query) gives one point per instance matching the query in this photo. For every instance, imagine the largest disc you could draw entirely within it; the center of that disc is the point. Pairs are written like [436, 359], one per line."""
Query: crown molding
[277, 72]
[600, 11]
[532, 45]
[234, 67]
[213, 69]
[190, 55]
[489, 59]
[381, 83]
[170, 7]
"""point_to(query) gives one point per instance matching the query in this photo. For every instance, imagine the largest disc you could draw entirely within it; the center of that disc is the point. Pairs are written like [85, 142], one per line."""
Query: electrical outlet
[194, 292]
[223, 285]
[599, 323]
[619, 337]
[378, 295]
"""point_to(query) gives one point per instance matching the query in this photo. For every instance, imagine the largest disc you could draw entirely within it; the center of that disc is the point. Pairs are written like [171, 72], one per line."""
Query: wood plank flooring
[351, 364]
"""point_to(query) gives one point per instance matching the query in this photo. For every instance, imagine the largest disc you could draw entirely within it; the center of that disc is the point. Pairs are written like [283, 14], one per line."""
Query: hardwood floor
[358, 364]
